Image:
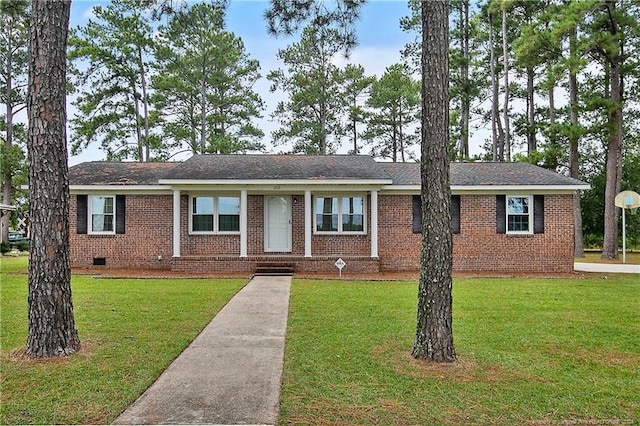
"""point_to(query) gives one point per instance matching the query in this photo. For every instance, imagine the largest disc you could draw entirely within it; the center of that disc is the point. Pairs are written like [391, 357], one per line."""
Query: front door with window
[277, 227]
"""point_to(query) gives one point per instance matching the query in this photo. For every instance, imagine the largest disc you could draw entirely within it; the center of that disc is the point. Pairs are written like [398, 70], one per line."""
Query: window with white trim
[214, 215]
[519, 214]
[340, 215]
[102, 214]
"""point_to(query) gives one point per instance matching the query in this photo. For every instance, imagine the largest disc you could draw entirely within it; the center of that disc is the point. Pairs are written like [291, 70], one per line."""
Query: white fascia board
[276, 189]
[487, 189]
[546, 189]
[400, 189]
[183, 183]
[277, 186]
[120, 189]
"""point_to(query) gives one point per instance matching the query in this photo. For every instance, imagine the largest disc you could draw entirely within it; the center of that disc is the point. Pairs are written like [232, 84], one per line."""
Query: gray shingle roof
[483, 174]
[491, 174]
[276, 167]
[108, 173]
[403, 173]
[300, 168]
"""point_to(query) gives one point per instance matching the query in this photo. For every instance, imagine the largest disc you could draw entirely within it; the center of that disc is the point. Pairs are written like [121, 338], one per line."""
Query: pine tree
[434, 331]
[51, 330]
[354, 90]
[14, 38]
[204, 84]
[113, 105]
[395, 104]
[310, 117]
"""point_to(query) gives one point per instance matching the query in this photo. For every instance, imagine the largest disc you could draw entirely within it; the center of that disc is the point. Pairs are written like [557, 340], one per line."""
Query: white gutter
[492, 189]
[274, 182]
[118, 188]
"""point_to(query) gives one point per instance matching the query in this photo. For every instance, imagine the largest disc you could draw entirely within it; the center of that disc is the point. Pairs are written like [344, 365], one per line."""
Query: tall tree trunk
[203, 111]
[7, 190]
[12, 25]
[505, 58]
[145, 105]
[496, 126]
[136, 105]
[614, 148]
[464, 71]
[354, 122]
[494, 93]
[400, 133]
[531, 111]
[323, 129]
[51, 330]
[434, 332]
[552, 101]
[553, 133]
[574, 139]
[394, 143]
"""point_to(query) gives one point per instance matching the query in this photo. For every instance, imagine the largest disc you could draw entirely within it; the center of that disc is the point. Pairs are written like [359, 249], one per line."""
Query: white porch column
[243, 223]
[308, 223]
[176, 223]
[374, 224]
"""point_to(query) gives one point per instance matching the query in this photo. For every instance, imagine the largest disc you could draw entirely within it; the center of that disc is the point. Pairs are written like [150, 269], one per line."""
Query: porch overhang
[270, 187]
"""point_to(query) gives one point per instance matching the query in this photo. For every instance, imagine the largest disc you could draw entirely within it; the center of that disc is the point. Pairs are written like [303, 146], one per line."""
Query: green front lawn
[130, 331]
[531, 351]
[633, 258]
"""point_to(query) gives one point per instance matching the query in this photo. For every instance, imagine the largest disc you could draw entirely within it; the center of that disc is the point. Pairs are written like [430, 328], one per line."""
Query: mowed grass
[633, 258]
[531, 351]
[130, 331]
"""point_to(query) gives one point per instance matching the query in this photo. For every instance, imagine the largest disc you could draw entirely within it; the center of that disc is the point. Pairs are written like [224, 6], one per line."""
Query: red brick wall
[398, 246]
[323, 264]
[478, 247]
[338, 245]
[255, 224]
[148, 235]
[203, 244]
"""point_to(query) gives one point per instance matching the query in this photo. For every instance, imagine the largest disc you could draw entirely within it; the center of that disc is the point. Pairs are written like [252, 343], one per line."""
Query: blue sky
[379, 35]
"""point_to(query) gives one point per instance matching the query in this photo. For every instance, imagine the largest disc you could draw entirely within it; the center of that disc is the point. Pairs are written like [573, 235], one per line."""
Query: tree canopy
[203, 84]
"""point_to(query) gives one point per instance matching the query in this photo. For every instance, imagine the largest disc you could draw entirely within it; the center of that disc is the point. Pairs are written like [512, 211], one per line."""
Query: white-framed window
[345, 215]
[102, 214]
[214, 214]
[519, 214]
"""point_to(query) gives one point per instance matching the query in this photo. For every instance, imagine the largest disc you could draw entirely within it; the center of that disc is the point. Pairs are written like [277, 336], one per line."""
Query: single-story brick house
[233, 213]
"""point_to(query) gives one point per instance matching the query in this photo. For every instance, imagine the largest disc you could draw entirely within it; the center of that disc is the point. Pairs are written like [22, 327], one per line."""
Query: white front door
[277, 226]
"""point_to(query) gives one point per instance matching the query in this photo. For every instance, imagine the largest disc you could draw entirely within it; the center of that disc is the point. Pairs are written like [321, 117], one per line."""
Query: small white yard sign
[340, 264]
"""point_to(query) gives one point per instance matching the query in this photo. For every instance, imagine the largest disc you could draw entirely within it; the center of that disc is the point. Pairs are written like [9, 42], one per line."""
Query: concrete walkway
[607, 267]
[230, 374]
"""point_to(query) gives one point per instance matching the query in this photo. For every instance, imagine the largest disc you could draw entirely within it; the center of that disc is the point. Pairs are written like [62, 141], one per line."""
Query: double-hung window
[228, 214]
[215, 215]
[102, 214]
[340, 215]
[519, 215]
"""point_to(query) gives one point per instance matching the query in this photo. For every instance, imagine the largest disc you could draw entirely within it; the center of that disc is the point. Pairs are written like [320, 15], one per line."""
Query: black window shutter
[417, 214]
[81, 214]
[538, 214]
[501, 214]
[455, 213]
[120, 213]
